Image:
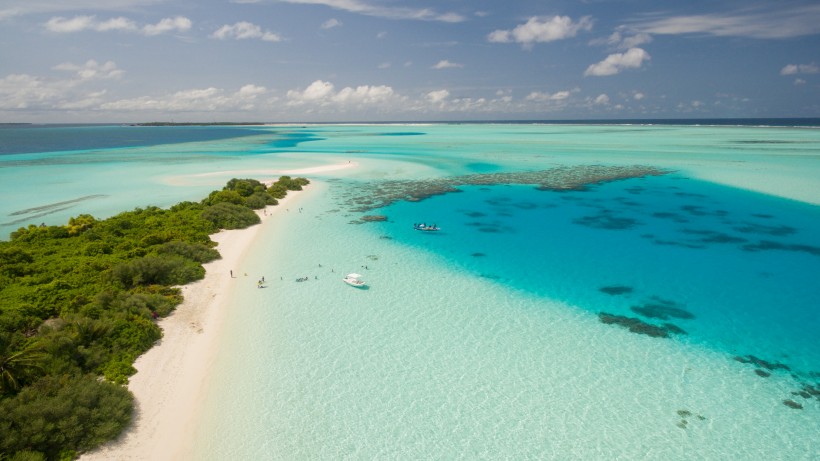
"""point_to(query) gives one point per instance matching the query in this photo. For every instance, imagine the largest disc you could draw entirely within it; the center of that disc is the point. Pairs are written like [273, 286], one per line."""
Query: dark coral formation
[369, 218]
[708, 236]
[792, 404]
[761, 373]
[636, 325]
[379, 194]
[809, 391]
[764, 245]
[684, 422]
[615, 290]
[760, 363]
[606, 220]
[662, 309]
[778, 231]
[674, 329]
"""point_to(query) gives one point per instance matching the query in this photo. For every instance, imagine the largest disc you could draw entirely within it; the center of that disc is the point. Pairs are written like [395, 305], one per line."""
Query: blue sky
[393, 60]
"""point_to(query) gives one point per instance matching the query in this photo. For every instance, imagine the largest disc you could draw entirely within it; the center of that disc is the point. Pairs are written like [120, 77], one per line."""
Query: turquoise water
[483, 341]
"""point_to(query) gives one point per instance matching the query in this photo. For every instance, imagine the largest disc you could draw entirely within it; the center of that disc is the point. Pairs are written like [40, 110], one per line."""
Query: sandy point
[172, 376]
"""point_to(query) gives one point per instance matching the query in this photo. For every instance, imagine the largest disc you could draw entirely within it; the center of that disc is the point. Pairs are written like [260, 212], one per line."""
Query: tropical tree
[15, 365]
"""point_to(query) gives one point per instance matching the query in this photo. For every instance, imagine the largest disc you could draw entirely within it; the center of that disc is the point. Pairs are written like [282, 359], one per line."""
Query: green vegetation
[78, 305]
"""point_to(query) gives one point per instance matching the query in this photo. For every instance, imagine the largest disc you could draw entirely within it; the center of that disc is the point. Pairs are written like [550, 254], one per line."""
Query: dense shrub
[58, 415]
[230, 216]
[156, 270]
[198, 252]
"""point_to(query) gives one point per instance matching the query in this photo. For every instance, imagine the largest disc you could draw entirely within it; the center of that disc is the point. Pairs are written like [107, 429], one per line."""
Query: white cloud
[623, 39]
[321, 93]
[601, 100]
[437, 96]
[539, 96]
[363, 94]
[637, 96]
[83, 23]
[331, 23]
[445, 64]
[793, 69]
[766, 20]
[385, 65]
[119, 23]
[367, 9]
[176, 24]
[799, 81]
[245, 30]
[615, 63]
[92, 70]
[22, 91]
[541, 29]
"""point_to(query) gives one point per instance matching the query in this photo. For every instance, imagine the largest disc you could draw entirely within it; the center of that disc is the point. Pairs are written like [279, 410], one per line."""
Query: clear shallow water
[483, 341]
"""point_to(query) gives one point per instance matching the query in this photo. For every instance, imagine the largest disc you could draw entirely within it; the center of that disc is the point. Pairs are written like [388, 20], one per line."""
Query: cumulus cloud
[389, 12]
[176, 24]
[82, 23]
[245, 30]
[601, 100]
[437, 96]
[794, 69]
[541, 30]
[331, 23]
[615, 63]
[539, 96]
[766, 20]
[23, 91]
[321, 93]
[445, 64]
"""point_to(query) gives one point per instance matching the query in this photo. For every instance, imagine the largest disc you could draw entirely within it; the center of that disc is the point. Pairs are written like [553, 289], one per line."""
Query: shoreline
[172, 375]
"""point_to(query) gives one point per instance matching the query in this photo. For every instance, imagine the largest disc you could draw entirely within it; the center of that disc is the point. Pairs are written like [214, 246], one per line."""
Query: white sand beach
[171, 377]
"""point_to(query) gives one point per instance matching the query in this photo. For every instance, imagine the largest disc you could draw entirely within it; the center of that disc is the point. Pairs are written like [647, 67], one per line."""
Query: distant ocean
[517, 330]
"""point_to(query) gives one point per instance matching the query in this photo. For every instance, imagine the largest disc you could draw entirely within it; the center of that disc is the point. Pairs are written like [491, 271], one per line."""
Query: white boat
[354, 280]
[425, 227]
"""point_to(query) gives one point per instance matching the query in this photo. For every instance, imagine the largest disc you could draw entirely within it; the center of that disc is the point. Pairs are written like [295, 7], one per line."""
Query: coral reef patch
[373, 195]
[662, 309]
[636, 325]
[615, 290]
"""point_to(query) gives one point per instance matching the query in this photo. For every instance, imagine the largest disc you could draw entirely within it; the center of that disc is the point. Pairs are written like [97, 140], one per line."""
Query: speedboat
[354, 280]
[425, 227]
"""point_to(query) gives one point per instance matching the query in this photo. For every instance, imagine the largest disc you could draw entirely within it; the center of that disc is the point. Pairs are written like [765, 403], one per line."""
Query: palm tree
[15, 365]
